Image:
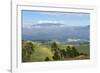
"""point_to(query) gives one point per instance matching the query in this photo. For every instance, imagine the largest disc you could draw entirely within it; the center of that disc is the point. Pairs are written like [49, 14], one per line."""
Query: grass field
[50, 51]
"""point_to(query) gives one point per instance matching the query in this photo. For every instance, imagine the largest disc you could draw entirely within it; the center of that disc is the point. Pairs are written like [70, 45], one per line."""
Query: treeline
[61, 54]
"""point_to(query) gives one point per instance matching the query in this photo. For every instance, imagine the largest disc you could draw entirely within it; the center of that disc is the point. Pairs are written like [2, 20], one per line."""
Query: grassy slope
[43, 50]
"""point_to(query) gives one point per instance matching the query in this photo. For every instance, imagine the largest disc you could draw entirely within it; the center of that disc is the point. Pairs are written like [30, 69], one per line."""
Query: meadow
[37, 51]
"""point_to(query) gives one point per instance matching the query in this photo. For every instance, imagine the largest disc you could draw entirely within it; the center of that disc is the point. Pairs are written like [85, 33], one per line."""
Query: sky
[30, 17]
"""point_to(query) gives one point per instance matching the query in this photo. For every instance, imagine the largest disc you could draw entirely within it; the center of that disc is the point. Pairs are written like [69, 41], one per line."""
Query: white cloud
[48, 21]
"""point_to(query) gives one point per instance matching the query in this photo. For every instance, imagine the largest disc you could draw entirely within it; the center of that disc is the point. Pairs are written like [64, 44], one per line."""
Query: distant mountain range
[55, 31]
[47, 24]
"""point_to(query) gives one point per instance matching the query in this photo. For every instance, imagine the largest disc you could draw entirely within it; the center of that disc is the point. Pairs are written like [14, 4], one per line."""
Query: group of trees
[72, 52]
[61, 54]
[27, 50]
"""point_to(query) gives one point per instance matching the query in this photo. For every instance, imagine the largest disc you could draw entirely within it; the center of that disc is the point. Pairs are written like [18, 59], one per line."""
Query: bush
[54, 46]
[56, 56]
[47, 59]
[63, 53]
[27, 50]
[72, 52]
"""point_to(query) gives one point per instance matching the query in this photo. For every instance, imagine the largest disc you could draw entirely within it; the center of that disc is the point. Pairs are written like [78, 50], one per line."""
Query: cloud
[49, 21]
[48, 24]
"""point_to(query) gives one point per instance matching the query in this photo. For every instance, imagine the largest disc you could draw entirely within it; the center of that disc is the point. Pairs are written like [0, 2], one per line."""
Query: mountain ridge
[59, 33]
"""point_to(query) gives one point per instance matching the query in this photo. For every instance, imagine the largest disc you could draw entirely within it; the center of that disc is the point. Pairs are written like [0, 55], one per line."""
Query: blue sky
[68, 19]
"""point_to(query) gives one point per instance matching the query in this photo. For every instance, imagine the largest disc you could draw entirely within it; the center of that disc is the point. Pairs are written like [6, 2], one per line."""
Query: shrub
[27, 50]
[72, 52]
[54, 46]
[47, 59]
[56, 56]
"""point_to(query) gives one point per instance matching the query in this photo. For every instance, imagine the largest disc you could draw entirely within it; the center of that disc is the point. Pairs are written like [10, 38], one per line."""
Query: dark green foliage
[27, 50]
[24, 55]
[54, 46]
[56, 56]
[47, 59]
[68, 52]
[29, 47]
[63, 53]
[56, 50]
[72, 52]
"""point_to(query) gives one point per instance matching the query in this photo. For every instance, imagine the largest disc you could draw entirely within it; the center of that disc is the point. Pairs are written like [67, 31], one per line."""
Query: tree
[24, 55]
[68, 51]
[63, 53]
[56, 56]
[27, 50]
[74, 52]
[29, 47]
[54, 46]
[47, 59]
